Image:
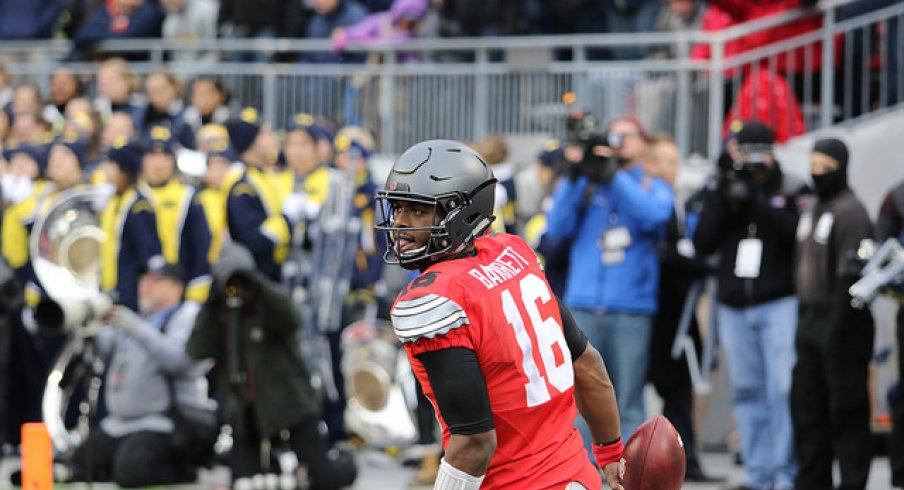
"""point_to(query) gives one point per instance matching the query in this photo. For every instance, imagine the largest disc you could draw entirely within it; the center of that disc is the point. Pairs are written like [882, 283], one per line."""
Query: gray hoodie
[138, 398]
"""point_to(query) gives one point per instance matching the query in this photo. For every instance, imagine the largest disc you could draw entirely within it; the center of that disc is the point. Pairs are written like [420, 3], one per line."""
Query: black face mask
[828, 185]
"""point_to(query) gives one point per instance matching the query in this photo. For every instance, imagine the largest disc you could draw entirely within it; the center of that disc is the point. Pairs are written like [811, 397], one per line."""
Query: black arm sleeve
[460, 389]
[574, 337]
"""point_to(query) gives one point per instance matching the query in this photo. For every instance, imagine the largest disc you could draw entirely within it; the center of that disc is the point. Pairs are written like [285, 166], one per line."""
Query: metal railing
[467, 87]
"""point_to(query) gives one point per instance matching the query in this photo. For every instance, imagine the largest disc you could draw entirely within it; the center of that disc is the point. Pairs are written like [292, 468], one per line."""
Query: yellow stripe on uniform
[112, 221]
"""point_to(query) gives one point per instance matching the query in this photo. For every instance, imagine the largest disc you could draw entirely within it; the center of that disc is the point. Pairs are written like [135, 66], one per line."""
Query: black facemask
[829, 184]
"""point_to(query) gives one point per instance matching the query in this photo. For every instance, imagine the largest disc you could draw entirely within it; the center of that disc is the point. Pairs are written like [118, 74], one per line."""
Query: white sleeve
[452, 478]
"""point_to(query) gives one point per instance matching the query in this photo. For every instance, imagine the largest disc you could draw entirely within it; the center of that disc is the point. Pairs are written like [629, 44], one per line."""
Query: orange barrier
[37, 457]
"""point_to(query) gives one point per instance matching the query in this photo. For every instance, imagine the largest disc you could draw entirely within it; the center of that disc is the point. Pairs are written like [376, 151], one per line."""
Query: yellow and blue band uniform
[130, 225]
[185, 236]
[255, 220]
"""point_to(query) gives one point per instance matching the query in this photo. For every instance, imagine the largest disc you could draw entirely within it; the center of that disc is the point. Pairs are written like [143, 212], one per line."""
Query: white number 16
[548, 332]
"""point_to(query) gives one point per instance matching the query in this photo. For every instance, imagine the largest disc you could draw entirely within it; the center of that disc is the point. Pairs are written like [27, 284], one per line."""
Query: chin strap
[451, 478]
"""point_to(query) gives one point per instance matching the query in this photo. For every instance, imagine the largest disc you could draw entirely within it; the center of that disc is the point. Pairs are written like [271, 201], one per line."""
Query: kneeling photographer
[613, 216]
[150, 386]
[249, 328]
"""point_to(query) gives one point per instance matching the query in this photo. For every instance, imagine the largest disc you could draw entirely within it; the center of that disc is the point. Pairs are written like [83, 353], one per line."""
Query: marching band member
[181, 220]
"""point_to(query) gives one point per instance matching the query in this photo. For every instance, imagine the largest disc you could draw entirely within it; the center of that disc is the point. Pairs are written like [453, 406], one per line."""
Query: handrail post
[481, 94]
[716, 98]
[682, 103]
[269, 96]
[827, 84]
[387, 96]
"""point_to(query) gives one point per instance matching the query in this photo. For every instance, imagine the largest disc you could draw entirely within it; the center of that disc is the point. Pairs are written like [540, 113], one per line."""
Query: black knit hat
[834, 148]
[243, 129]
[753, 133]
[128, 155]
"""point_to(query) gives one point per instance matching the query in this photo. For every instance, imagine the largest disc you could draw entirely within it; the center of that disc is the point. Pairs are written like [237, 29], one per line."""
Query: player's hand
[614, 472]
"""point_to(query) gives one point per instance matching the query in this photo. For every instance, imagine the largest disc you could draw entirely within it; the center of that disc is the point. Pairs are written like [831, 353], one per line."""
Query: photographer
[137, 443]
[614, 215]
[749, 219]
[248, 327]
[890, 224]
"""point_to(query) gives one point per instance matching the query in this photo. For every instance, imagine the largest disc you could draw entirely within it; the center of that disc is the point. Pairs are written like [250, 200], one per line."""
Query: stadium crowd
[213, 217]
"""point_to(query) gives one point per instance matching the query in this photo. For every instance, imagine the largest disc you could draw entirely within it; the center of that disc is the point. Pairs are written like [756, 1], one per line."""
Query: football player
[495, 351]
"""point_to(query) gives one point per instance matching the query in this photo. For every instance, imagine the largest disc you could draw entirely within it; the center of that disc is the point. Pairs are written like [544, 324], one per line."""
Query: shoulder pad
[426, 316]
[243, 188]
[142, 205]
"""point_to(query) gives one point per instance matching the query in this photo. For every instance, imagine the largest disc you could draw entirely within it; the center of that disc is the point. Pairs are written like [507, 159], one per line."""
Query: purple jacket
[381, 27]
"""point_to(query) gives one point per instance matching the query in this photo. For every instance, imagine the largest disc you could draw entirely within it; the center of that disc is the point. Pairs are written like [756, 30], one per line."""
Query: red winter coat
[745, 10]
[768, 98]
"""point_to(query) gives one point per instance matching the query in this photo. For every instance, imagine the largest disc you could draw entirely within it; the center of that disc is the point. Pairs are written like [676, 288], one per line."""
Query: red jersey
[498, 304]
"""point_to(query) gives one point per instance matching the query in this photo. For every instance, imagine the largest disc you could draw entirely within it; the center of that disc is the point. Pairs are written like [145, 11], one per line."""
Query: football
[654, 457]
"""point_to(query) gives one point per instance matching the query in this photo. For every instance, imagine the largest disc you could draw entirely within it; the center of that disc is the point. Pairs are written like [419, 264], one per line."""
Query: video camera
[739, 176]
[583, 130]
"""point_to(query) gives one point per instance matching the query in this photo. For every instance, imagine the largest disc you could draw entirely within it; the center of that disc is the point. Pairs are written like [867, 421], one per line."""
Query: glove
[340, 40]
[16, 188]
[125, 320]
[101, 195]
[294, 206]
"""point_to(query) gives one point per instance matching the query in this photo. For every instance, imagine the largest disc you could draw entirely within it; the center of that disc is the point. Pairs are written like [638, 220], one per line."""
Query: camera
[584, 131]
[740, 176]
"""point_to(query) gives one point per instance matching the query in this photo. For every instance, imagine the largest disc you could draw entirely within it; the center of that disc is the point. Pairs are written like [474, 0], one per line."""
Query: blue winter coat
[640, 204]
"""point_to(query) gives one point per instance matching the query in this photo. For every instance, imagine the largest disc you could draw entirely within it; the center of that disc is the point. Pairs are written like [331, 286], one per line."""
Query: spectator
[266, 391]
[120, 126]
[27, 100]
[629, 16]
[495, 151]
[165, 107]
[890, 224]
[330, 15]
[23, 184]
[116, 85]
[4, 127]
[218, 179]
[82, 119]
[396, 25]
[470, 18]
[148, 375]
[613, 223]
[555, 252]
[213, 138]
[29, 128]
[830, 403]
[857, 59]
[253, 208]
[64, 86]
[189, 21]
[181, 223]
[749, 219]
[6, 90]
[569, 17]
[676, 16]
[354, 146]
[29, 19]
[209, 103]
[240, 19]
[806, 57]
[679, 268]
[121, 19]
[130, 225]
